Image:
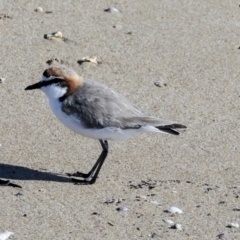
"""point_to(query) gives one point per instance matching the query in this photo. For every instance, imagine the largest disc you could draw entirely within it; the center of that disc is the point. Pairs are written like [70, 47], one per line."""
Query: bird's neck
[54, 92]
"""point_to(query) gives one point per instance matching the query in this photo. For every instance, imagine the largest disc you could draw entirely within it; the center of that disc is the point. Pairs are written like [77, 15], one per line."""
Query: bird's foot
[86, 181]
[78, 174]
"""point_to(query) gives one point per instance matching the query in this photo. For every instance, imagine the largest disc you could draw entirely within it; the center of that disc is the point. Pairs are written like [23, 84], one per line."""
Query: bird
[94, 110]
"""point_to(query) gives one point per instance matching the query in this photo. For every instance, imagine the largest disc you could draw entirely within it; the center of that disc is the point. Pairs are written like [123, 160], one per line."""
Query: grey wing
[98, 106]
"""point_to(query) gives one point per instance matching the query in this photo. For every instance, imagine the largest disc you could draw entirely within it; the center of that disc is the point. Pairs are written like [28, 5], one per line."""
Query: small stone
[152, 235]
[54, 59]
[221, 236]
[2, 16]
[19, 194]
[236, 209]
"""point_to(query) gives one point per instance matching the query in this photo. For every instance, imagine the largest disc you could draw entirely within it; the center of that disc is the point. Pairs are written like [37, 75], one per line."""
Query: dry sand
[192, 47]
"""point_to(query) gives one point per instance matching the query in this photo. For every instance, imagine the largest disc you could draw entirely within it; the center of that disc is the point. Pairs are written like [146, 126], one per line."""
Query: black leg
[91, 177]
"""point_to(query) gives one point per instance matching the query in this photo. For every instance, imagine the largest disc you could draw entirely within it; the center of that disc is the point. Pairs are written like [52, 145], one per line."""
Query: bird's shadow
[13, 172]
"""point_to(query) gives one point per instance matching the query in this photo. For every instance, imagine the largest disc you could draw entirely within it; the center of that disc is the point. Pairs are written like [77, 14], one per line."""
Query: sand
[192, 49]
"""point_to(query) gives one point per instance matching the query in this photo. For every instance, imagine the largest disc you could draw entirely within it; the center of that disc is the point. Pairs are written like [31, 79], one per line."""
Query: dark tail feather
[171, 129]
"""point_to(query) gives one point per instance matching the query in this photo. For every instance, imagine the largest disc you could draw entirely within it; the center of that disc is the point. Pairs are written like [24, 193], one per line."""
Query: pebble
[152, 235]
[2, 16]
[111, 10]
[122, 209]
[38, 9]
[2, 80]
[5, 235]
[221, 236]
[236, 209]
[54, 59]
[233, 225]
[175, 210]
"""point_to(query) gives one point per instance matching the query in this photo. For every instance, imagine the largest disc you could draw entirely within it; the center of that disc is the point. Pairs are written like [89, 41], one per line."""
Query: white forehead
[44, 79]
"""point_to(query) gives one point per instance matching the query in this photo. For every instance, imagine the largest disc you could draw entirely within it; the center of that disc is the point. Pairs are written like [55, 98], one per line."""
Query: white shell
[38, 9]
[5, 235]
[175, 210]
[2, 80]
[233, 225]
[57, 34]
[178, 226]
[155, 202]
[170, 222]
[122, 208]
[112, 9]
[92, 59]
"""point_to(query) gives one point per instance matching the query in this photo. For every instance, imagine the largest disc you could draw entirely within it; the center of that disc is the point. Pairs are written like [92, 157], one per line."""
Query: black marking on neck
[62, 98]
[45, 73]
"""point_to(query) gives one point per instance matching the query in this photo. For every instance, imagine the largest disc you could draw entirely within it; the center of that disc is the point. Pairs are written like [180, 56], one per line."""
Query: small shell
[2, 80]
[50, 36]
[236, 209]
[221, 236]
[177, 226]
[154, 202]
[160, 83]
[38, 9]
[92, 59]
[111, 9]
[122, 209]
[2, 16]
[118, 26]
[169, 222]
[5, 235]
[233, 225]
[175, 210]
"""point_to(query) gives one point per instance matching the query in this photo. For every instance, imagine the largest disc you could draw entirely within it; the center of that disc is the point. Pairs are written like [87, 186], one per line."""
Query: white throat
[54, 92]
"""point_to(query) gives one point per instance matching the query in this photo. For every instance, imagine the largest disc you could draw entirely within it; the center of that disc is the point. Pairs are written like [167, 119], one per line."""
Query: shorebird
[96, 111]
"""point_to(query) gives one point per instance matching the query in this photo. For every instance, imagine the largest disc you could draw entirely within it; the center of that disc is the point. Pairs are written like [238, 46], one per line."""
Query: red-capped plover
[96, 111]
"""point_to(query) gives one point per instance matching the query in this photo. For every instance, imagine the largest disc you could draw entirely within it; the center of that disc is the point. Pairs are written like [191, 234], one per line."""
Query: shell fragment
[5, 235]
[175, 210]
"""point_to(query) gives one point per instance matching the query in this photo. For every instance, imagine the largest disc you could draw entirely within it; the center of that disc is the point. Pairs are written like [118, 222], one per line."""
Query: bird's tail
[171, 128]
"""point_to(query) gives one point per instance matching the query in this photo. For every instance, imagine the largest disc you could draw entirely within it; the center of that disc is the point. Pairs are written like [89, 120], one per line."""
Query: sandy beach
[177, 60]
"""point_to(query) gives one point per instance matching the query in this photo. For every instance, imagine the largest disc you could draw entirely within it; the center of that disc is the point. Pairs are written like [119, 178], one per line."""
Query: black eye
[45, 74]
